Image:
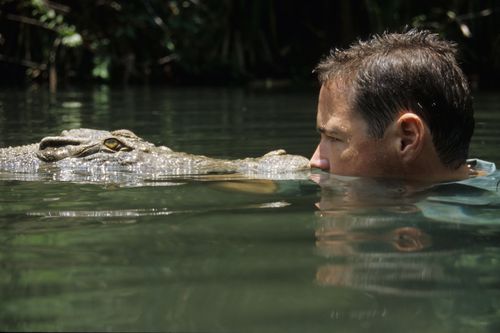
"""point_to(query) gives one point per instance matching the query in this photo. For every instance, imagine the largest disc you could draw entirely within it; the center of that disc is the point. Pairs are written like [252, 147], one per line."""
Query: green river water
[198, 256]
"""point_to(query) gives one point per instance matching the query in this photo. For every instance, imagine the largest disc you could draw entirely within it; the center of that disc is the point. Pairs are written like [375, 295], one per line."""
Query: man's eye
[113, 144]
[332, 138]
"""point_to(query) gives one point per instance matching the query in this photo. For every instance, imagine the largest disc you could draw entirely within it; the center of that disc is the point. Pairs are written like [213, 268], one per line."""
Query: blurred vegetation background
[219, 42]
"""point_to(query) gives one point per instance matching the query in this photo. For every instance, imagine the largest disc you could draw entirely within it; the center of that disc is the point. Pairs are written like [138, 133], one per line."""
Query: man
[396, 106]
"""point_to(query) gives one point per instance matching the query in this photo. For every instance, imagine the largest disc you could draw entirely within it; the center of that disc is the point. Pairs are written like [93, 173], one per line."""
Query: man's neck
[433, 174]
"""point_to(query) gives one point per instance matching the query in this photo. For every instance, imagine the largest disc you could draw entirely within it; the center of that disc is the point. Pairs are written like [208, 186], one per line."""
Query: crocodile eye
[113, 144]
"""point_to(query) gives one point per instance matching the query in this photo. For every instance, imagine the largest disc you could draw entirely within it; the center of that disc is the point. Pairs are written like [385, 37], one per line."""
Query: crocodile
[100, 155]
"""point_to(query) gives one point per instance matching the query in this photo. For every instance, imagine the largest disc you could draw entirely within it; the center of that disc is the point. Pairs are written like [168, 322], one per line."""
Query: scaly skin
[96, 154]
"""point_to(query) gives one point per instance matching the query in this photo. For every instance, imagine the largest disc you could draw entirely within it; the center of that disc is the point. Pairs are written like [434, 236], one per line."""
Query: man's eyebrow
[323, 130]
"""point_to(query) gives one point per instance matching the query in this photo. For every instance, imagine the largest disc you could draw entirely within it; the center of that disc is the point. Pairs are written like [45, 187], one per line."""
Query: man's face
[345, 147]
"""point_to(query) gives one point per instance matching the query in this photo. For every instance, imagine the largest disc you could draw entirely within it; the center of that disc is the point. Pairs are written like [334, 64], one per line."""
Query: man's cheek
[348, 155]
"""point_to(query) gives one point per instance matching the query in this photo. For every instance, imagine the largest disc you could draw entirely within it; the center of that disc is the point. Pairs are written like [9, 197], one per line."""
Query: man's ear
[411, 135]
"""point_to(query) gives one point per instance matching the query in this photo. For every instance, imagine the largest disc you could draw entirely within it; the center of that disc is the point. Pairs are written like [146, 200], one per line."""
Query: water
[193, 255]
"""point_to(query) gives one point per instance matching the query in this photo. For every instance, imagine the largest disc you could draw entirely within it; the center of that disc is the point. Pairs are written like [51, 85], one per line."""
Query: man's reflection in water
[376, 239]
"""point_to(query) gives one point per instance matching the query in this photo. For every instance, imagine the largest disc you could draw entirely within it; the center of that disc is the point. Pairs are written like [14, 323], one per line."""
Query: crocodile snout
[55, 148]
[59, 141]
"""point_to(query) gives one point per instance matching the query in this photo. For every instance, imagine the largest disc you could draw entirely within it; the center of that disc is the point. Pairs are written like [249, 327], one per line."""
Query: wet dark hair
[415, 71]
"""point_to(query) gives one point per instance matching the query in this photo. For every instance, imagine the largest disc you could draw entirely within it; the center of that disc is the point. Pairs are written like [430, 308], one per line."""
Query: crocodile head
[90, 144]
[102, 153]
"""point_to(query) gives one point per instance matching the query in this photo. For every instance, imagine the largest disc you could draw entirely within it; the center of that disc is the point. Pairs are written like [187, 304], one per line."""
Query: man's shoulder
[465, 201]
[483, 175]
[481, 167]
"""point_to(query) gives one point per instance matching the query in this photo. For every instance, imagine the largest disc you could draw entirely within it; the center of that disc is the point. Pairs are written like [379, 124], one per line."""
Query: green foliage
[56, 22]
[101, 67]
[224, 40]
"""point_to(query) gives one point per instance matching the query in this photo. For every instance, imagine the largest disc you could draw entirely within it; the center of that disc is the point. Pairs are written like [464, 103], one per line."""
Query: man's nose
[318, 161]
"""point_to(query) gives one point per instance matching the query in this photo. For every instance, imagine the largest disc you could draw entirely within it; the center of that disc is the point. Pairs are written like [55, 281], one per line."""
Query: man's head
[397, 105]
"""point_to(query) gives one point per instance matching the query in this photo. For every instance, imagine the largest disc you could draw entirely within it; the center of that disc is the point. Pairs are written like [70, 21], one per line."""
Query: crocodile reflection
[374, 237]
[102, 154]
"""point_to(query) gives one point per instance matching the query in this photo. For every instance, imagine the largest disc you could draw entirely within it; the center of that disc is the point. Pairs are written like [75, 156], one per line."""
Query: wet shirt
[471, 201]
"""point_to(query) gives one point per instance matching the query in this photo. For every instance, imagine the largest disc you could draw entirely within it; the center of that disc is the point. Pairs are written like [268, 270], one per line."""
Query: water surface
[193, 255]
